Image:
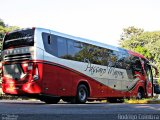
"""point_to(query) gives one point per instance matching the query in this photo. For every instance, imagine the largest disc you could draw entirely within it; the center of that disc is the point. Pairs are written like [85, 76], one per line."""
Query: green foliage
[159, 81]
[2, 23]
[143, 51]
[131, 32]
[145, 43]
[4, 29]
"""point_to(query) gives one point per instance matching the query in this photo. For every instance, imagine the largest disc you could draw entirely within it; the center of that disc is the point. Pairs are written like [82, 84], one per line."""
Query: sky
[99, 20]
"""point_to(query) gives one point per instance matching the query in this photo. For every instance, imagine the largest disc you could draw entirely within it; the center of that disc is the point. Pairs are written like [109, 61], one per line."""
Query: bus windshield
[19, 39]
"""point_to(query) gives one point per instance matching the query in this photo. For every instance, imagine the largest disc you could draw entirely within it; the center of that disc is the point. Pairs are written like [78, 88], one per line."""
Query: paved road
[36, 110]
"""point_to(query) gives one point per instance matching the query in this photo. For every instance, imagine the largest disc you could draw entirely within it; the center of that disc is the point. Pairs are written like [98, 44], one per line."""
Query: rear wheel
[82, 94]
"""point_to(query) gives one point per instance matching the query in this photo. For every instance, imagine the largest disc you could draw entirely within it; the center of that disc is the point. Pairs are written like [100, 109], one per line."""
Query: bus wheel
[82, 94]
[50, 100]
[140, 93]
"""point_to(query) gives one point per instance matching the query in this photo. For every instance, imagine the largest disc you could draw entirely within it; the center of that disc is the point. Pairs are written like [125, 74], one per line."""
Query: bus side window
[62, 47]
[73, 48]
[70, 47]
[50, 43]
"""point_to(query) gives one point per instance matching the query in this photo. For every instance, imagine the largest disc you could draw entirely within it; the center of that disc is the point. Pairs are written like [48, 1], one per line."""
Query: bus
[50, 66]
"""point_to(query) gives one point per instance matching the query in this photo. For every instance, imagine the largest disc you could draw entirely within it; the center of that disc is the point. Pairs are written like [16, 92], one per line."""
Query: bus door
[149, 80]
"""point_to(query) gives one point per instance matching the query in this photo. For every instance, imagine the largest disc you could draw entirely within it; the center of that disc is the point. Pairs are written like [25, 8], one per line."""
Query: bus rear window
[19, 39]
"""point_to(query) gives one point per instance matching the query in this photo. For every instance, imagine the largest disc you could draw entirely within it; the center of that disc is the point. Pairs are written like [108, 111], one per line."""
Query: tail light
[34, 68]
[36, 74]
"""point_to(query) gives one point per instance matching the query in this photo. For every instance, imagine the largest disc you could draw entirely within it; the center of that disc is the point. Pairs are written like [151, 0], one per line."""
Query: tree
[131, 32]
[145, 43]
[4, 29]
[2, 23]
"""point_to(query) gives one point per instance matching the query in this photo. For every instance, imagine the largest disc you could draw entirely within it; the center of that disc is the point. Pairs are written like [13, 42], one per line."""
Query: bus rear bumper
[21, 89]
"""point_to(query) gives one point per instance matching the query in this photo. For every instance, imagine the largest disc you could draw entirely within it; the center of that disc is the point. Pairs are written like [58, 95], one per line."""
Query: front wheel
[82, 94]
[140, 94]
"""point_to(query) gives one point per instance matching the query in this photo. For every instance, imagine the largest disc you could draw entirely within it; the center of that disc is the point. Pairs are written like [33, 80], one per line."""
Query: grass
[153, 100]
[135, 101]
[143, 101]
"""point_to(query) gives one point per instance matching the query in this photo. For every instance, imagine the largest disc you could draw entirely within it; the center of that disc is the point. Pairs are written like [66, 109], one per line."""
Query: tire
[50, 100]
[140, 94]
[82, 94]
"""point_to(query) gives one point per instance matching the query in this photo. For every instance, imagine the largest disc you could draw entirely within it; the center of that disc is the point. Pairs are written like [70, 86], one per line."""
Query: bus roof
[84, 40]
[81, 39]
